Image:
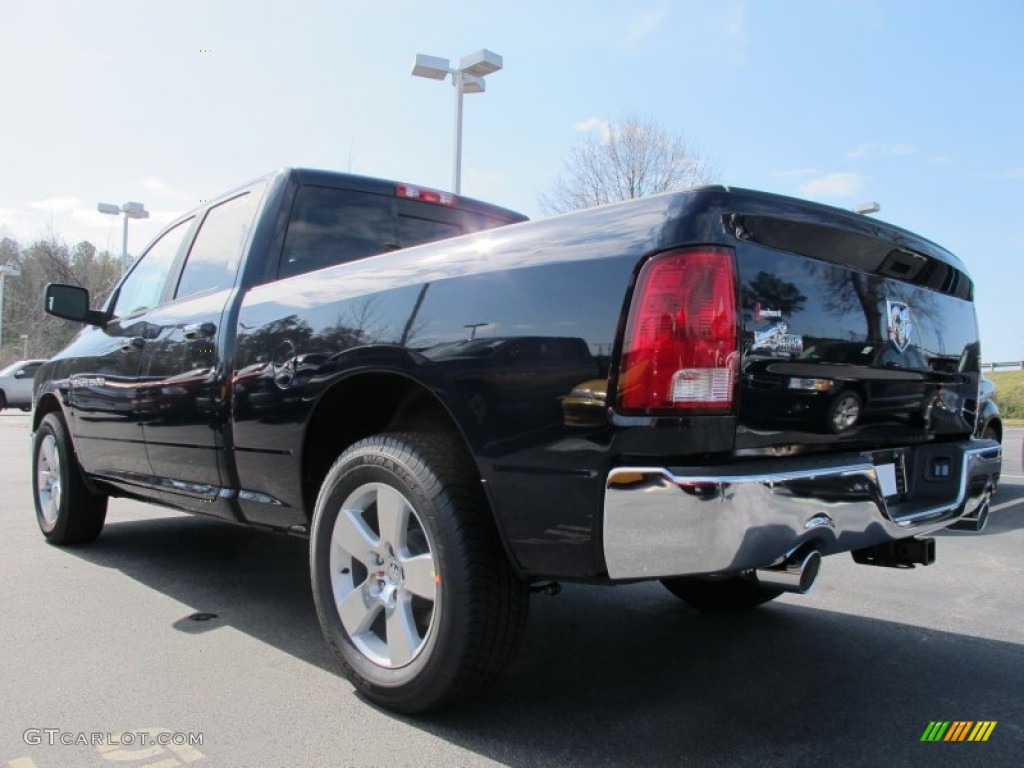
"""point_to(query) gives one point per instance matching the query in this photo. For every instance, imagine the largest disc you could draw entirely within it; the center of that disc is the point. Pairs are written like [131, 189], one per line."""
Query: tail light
[680, 348]
[424, 195]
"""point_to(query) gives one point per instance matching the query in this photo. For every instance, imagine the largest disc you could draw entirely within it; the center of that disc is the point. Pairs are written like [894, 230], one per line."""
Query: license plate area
[890, 468]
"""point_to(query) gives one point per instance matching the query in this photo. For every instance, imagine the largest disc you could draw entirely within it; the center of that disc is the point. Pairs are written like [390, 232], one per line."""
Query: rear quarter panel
[558, 279]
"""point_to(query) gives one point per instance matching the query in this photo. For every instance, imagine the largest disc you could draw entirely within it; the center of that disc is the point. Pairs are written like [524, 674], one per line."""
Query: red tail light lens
[680, 349]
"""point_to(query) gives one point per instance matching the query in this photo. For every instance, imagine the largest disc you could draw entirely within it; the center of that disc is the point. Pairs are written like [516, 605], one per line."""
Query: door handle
[133, 344]
[200, 330]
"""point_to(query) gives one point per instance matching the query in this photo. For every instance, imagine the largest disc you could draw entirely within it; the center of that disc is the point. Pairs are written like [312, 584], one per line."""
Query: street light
[5, 270]
[130, 211]
[472, 328]
[869, 206]
[468, 78]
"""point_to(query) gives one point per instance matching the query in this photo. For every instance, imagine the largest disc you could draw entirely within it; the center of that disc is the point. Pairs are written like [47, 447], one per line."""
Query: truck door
[184, 369]
[105, 377]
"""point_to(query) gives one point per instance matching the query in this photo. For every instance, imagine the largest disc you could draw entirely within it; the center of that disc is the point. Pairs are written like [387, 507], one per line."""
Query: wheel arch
[47, 403]
[997, 425]
[370, 402]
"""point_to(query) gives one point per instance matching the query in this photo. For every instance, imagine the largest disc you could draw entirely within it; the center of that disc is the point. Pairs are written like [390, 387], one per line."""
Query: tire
[844, 412]
[412, 588]
[66, 510]
[3, 400]
[732, 593]
[990, 433]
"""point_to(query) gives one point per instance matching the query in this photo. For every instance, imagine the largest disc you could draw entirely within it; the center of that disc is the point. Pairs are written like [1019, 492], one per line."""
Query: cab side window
[144, 286]
[217, 250]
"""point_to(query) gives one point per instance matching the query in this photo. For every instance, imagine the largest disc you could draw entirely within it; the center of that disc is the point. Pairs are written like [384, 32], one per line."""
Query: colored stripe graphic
[959, 730]
[935, 730]
[982, 730]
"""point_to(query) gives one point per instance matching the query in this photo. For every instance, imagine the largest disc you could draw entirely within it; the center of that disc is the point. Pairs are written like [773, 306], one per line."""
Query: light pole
[468, 78]
[472, 328]
[5, 270]
[130, 211]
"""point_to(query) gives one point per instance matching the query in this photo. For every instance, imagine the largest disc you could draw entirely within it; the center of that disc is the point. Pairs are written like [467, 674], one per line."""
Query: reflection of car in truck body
[430, 519]
[836, 386]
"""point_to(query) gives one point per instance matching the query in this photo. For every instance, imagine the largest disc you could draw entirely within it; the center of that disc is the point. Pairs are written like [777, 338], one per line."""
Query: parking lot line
[1006, 505]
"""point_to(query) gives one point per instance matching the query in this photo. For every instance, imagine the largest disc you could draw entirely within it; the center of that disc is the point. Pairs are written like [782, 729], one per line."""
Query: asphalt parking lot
[98, 639]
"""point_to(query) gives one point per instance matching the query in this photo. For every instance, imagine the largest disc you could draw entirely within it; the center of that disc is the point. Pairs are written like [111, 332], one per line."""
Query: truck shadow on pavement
[630, 675]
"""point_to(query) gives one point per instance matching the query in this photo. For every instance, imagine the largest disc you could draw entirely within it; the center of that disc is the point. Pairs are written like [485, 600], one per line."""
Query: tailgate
[851, 338]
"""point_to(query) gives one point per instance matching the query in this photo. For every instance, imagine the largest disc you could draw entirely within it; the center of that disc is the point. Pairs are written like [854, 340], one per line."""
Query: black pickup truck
[713, 388]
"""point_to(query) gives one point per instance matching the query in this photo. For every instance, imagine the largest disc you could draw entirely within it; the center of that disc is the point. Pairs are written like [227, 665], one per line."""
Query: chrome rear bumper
[694, 520]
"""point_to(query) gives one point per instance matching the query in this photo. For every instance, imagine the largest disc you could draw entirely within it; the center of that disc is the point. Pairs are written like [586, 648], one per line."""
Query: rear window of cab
[331, 226]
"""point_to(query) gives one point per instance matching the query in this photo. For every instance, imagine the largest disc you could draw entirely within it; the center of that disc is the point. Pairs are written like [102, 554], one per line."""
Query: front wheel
[413, 591]
[720, 595]
[844, 412]
[66, 510]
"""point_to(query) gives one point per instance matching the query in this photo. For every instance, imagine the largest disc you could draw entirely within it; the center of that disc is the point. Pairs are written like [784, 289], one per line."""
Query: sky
[915, 104]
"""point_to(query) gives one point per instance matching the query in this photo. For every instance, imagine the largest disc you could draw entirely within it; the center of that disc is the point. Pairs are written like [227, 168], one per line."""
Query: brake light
[424, 195]
[679, 352]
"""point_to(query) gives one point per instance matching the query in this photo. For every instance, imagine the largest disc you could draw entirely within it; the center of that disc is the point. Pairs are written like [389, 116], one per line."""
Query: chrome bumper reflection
[668, 522]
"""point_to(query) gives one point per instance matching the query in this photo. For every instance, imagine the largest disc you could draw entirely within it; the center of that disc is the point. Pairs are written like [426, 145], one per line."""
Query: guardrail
[1016, 365]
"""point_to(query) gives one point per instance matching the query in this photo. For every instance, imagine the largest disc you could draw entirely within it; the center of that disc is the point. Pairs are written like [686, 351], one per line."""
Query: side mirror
[71, 303]
[19, 374]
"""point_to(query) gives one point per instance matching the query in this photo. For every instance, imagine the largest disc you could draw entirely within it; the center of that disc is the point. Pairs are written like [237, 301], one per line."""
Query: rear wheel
[731, 593]
[413, 590]
[66, 510]
[3, 400]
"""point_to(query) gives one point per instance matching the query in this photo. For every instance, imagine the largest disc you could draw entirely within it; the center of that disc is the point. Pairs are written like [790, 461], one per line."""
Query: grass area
[1009, 393]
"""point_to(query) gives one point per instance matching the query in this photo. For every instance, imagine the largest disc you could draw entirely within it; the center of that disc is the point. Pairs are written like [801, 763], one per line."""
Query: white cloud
[56, 204]
[590, 124]
[1014, 173]
[71, 219]
[644, 24]
[832, 185]
[158, 187]
[90, 217]
[597, 124]
[867, 150]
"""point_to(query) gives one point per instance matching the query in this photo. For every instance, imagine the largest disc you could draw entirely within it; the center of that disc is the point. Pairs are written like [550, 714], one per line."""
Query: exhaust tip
[975, 521]
[797, 574]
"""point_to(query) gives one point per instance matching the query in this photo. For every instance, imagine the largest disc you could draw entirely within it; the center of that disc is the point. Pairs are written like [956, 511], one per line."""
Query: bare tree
[631, 158]
[48, 260]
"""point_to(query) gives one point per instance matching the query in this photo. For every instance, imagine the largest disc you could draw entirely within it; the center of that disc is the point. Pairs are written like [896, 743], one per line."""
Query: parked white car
[16, 384]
